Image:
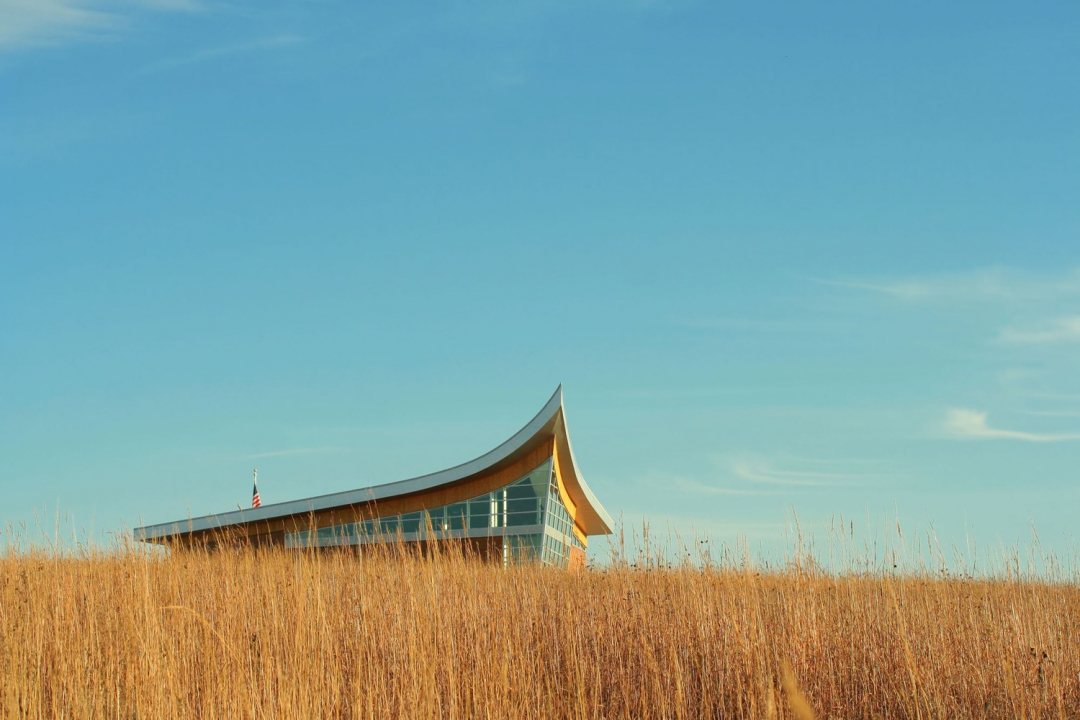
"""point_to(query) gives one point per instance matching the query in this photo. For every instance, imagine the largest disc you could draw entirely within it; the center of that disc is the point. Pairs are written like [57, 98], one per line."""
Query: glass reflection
[531, 501]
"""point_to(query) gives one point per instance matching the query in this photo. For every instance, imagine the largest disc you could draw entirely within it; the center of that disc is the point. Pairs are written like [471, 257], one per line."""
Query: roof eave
[550, 420]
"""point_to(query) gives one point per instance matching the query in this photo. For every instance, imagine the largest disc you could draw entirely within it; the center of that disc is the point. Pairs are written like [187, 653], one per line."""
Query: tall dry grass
[282, 634]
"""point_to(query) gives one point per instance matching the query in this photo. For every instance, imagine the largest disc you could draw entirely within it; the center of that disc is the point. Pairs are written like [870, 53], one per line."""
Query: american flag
[255, 501]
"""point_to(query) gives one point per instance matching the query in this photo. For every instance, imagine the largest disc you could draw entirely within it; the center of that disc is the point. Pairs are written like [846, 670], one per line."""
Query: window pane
[480, 512]
[521, 491]
[410, 522]
[519, 519]
[521, 505]
[479, 520]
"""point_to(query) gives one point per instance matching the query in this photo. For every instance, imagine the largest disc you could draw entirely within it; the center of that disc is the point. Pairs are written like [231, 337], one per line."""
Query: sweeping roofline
[551, 420]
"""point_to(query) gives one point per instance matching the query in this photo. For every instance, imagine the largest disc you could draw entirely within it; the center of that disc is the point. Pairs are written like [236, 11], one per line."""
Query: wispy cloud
[697, 487]
[1052, 413]
[37, 23]
[289, 452]
[829, 462]
[759, 476]
[966, 424]
[1065, 329]
[28, 23]
[700, 527]
[1049, 395]
[695, 392]
[730, 323]
[905, 289]
[985, 285]
[270, 42]
[760, 471]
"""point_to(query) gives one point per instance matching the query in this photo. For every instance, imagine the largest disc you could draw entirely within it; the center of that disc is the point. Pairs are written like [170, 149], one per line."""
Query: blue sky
[820, 257]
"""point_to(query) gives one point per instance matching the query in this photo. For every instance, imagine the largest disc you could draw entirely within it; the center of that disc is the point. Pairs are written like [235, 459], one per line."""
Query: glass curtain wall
[560, 529]
[527, 513]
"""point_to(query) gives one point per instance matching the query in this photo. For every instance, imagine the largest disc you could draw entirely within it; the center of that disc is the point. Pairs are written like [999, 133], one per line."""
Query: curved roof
[551, 420]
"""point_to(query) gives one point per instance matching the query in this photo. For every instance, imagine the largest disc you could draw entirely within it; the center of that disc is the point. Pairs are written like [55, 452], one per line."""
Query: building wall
[273, 532]
[571, 507]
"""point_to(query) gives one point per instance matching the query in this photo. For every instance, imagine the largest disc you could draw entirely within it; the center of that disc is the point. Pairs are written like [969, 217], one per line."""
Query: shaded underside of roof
[550, 421]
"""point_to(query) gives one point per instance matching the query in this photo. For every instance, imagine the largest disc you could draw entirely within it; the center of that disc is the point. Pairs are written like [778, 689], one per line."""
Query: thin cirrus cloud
[1008, 293]
[41, 23]
[268, 43]
[700, 527]
[765, 473]
[1060, 330]
[966, 424]
[699, 488]
[983, 285]
[1053, 413]
[762, 477]
[291, 452]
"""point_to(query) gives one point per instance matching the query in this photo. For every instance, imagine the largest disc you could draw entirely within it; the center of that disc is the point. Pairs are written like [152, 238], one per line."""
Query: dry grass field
[283, 634]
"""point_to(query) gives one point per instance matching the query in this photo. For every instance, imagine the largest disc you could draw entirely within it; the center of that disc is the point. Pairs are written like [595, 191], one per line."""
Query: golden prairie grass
[280, 634]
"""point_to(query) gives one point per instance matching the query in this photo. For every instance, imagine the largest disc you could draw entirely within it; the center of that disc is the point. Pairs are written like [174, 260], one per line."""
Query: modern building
[524, 501]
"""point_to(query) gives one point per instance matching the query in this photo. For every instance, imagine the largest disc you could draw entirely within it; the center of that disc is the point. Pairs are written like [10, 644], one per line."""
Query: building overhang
[549, 422]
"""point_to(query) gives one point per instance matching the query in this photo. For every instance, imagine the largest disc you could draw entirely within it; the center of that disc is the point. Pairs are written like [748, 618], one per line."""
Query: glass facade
[559, 536]
[528, 514]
